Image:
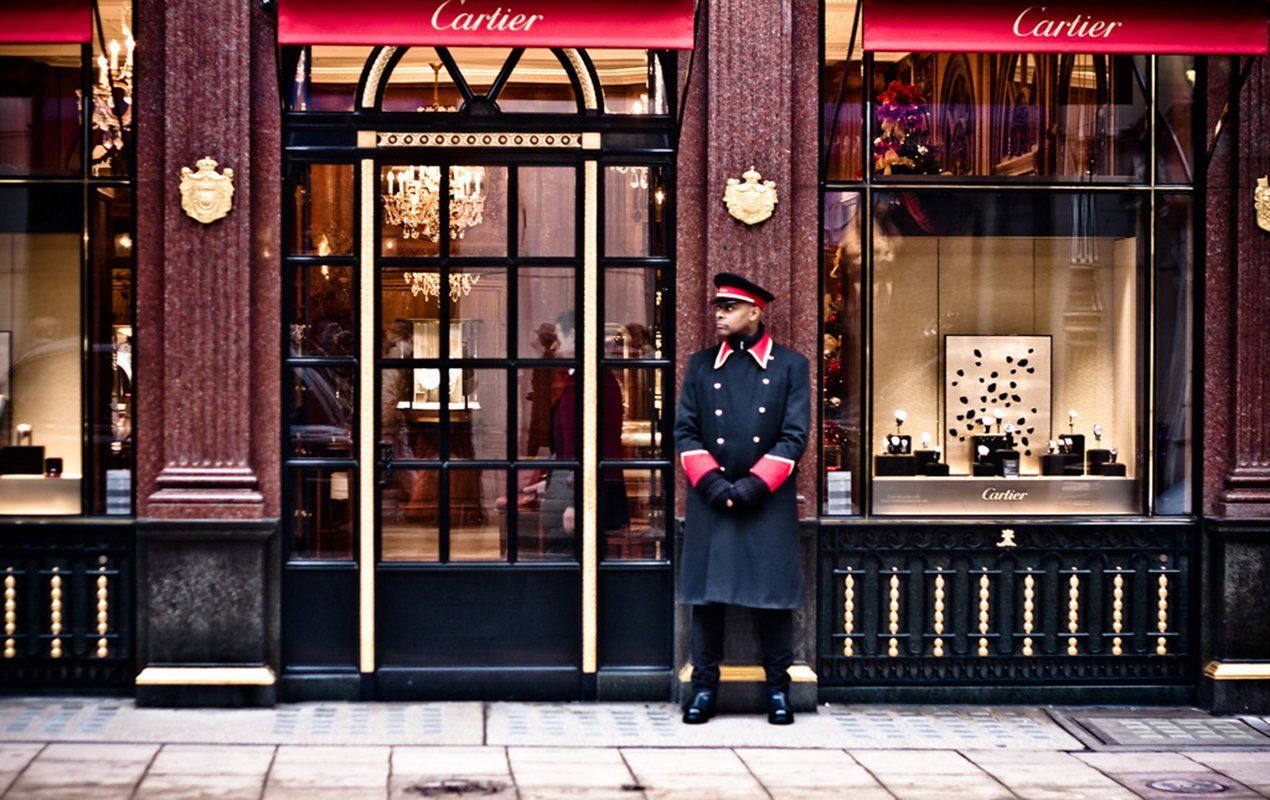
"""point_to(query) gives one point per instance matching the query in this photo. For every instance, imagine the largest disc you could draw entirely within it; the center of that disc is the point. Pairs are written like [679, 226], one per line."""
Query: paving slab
[1166, 785]
[707, 773]
[1049, 776]
[659, 725]
[1251, 768]
[106, 720]
[13, 759]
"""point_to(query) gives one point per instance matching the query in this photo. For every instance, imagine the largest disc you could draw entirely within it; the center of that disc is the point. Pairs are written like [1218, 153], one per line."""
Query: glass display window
[1008, 368]
[1007, 267]
[66, 273]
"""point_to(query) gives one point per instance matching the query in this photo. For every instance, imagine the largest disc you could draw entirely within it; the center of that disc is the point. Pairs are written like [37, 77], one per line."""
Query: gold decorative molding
[1239, 671]
[103, 610]
[55, 613]
[1007, 538]
[206, 676]
[893, 615]
[376, 76]
[10, 613]
[590, 329]
[750, 202]
[848, 613]
[207, 195]
[1261, 202]
[389, 139]
[366, 427]
[590, 100]
[938, 647]
[1029, 609]
[985, 594]
[752, 673]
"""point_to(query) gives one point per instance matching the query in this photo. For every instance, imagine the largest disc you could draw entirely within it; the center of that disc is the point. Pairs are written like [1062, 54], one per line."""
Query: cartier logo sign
[1033, 21]
[1003, 495]
[449, 16]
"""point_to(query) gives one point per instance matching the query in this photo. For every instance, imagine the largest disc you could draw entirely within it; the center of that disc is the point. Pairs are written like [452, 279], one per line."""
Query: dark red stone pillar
[208, 388]
[753, 102]
[1234, 395]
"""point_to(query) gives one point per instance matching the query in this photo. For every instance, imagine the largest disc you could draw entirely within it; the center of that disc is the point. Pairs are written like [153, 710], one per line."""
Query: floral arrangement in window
[904, 121]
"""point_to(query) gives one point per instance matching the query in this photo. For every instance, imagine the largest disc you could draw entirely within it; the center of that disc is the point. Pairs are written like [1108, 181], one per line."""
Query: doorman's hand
[749, 491]
[716, 490]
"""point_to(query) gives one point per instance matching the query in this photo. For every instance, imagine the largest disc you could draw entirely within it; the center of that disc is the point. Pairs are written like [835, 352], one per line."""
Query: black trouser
[775, 629]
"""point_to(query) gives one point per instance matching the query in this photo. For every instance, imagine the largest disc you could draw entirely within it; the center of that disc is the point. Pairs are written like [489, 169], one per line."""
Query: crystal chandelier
[413, 200]
[428, 284]
[638, 175]
[112, 101]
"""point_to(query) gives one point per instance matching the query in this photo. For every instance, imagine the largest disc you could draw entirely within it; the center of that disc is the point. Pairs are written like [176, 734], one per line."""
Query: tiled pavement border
[110, 771]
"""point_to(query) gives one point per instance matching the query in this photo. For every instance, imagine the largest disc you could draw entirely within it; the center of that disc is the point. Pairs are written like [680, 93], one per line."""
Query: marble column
[753, 101]
[208, 377]
[1234, 393]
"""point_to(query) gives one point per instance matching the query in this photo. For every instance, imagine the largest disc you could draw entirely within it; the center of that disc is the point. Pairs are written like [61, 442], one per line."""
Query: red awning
[45, 21]
[652, 24]
[1067, 26]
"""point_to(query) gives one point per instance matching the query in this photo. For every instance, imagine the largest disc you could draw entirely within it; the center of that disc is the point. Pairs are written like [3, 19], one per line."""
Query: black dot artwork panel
[984, 374]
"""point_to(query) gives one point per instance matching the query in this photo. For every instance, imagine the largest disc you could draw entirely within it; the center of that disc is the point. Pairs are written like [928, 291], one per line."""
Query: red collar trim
[762, 351]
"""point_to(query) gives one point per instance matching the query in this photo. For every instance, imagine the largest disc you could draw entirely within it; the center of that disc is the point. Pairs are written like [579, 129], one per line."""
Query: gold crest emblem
[751, 202]
[1261, 200]
[207, 195]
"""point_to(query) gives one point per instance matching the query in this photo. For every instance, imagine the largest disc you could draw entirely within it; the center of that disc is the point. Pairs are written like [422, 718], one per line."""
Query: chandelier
[638, 175]
[112, 101]
[413, 200]
[428, 284]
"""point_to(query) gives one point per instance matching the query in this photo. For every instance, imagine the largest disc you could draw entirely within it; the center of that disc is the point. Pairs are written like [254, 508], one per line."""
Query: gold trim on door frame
[590, 399]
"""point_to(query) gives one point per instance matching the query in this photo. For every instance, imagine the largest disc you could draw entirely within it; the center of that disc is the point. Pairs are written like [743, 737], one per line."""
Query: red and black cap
[731, 288]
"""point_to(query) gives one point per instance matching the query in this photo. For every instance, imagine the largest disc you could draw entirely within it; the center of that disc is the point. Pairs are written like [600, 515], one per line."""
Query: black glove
[749, 491]
[715, 489]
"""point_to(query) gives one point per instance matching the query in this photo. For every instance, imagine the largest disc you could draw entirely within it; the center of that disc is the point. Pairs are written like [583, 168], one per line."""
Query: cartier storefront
[339, 345]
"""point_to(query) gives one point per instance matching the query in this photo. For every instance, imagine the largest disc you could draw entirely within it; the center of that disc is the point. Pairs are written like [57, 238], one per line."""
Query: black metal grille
[972, 604]
[37, 560]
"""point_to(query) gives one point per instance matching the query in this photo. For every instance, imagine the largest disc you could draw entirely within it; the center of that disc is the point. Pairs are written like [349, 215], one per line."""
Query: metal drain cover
[1150, 731]
[1184, 786]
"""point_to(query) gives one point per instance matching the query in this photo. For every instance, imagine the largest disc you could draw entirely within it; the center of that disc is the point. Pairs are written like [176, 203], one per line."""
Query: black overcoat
[738, 411]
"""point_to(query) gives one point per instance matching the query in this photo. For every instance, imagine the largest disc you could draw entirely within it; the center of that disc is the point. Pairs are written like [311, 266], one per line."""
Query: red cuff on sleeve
[773, 470]
[697, 463]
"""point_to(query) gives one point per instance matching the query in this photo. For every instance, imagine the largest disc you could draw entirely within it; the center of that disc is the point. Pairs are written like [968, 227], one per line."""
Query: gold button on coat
[756, 440]
[718, 386]
[718, 412]
[719, 440]
[762, 409]
[766, 381]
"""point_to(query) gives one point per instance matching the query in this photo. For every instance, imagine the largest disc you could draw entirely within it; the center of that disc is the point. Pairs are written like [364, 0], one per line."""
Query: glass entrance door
[479, 379]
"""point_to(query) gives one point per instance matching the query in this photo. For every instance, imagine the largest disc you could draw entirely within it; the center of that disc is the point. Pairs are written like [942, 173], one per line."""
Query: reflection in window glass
[548, 220]
[634, 206]
[321, 311]
[632, 81]
[323, 501]
[411, 312]
[478, 211]
[1175, 89]
[410, 207]
[1174, 359]
[1060, 115]
[39, 116]
[478, 515]
[321, 414]
[478, 421]
[41, 463]
[546, 425]
[632, 413]
[842, 351]
[538, 84]
[409, 515]
[841, 87]
[322, 210]
[323, 78]
[546, 297]
[547, 523]
[1002, 324]
[633, 515]
[112, 90]
[633, 312]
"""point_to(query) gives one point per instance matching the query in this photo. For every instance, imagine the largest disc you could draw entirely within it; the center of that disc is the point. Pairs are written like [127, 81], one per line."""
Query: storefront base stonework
[208, 613]
[1236, 622]
[741, 675]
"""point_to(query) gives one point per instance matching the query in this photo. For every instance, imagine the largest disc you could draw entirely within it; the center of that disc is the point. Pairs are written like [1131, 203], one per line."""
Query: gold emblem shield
[1261, 201]
[750, 202]
[207, 195]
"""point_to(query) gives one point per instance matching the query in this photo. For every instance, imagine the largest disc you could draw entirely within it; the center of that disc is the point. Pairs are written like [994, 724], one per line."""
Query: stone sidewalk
[75, 749]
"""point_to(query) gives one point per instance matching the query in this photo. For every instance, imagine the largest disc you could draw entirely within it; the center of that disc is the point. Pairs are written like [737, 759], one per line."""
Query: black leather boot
[778, 709]
[701, 709]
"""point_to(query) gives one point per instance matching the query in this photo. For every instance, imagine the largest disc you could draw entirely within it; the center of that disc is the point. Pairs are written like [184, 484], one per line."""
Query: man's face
[735, 317]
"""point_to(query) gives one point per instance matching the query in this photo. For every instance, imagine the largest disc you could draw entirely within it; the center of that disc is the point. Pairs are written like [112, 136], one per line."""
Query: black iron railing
[973, 604]
[68, 601]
